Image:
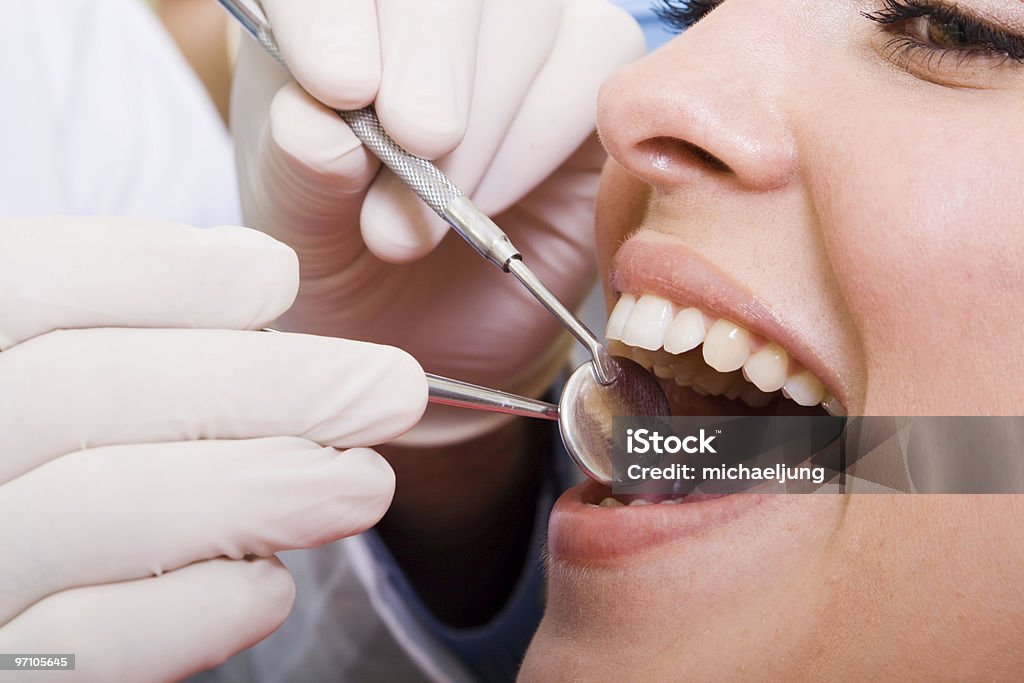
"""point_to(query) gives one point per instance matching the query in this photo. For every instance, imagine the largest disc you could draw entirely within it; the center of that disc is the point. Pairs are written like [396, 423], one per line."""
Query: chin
[683, 591]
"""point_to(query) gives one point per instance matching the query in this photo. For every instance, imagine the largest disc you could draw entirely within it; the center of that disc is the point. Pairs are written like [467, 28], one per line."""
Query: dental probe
[444, 197]
[452, 392]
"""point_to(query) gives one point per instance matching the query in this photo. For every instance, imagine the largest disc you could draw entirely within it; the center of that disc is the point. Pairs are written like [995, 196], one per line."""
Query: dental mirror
[587, 407]
[584, 412]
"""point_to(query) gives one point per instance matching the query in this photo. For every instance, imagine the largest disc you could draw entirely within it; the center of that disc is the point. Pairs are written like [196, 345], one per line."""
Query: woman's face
[841, 199]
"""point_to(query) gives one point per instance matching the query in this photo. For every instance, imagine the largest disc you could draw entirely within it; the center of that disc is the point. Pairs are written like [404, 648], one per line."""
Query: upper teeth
[660, 335]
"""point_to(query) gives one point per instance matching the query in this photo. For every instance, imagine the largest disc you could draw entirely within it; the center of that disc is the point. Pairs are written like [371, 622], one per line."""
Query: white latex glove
[503, 93]
[149, 471]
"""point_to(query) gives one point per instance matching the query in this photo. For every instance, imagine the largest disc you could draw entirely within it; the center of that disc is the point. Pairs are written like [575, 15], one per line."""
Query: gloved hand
[503, 93]
[148, 470]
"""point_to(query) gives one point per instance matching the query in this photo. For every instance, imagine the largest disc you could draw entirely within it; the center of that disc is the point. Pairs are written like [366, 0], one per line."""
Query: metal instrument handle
[452, 392]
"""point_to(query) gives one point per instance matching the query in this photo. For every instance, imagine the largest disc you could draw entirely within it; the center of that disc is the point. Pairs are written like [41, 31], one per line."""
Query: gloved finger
[595, 38]
[77, 272]
[319, 147]
[160, 628]
[66, 391]
[430, 52]
[126, 512]
[317, 171]
[331, 47]
[396, 226]
[553, 223]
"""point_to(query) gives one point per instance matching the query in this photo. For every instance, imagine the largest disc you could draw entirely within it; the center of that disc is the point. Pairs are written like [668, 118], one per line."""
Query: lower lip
[581, 532]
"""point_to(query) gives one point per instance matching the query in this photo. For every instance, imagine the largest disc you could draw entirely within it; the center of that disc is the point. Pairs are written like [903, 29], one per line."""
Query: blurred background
[206, 38]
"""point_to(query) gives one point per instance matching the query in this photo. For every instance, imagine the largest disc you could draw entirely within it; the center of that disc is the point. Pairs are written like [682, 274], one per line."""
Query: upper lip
[650, 262]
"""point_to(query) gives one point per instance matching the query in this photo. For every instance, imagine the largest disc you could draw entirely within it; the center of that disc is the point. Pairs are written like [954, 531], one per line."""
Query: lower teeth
[611, 502]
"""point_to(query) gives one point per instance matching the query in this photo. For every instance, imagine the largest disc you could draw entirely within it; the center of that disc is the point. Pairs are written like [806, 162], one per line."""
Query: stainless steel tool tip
[587, 407]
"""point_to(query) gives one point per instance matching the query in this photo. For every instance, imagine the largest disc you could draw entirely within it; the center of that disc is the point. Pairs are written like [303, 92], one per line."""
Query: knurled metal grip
[434, 188]
[422, 176]
[265, 38]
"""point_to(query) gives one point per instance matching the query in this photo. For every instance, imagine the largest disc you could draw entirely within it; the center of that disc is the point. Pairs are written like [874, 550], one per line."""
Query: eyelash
[973, 38]
[977, 38]
[679, 15]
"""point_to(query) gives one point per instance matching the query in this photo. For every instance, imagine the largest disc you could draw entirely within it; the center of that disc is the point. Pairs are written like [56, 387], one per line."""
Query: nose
[700, 108]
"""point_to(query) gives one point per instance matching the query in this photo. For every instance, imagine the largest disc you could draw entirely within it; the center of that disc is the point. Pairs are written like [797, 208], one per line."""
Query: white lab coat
[103, 116]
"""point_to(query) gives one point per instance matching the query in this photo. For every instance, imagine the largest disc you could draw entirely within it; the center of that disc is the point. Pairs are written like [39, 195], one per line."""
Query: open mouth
[709, 365]
[717, 349]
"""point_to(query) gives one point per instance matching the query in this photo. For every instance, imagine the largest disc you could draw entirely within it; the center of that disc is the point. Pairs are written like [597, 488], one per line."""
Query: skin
[200, 28]
[872, 202]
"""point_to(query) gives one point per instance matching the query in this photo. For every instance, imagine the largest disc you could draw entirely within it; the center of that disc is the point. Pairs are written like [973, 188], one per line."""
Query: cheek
[904, 600]
[621, 203]
[922, 217]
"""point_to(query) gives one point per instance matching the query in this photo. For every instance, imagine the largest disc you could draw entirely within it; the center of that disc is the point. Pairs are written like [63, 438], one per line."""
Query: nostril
[666, 153]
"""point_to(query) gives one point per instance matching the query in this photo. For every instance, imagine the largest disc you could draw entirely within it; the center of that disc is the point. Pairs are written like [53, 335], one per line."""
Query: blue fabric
[493, 652]
[643, 10]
